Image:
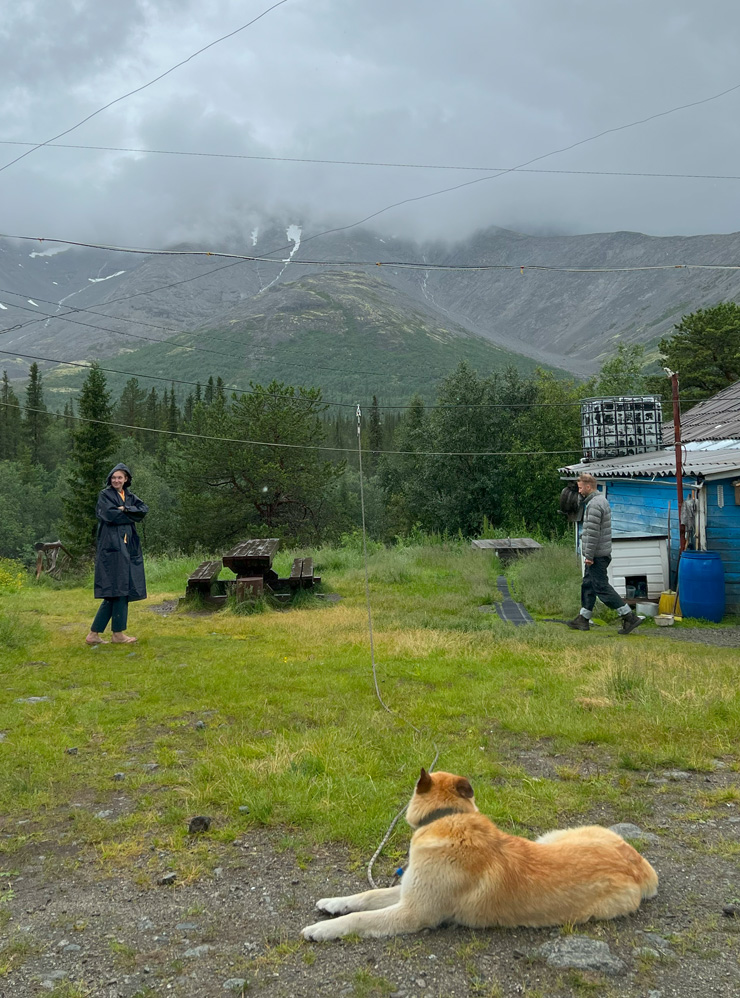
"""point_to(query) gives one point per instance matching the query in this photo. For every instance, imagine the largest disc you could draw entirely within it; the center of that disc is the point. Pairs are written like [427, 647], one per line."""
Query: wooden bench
[201, 580]
[507, 547]
[301, 574]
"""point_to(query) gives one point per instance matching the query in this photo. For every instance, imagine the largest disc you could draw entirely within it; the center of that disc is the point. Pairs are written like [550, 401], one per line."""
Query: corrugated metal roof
[711, 459]
[716, 419]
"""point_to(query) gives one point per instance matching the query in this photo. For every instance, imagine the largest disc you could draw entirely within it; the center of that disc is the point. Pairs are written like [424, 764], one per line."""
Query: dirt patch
[165, 608]
[127, 936]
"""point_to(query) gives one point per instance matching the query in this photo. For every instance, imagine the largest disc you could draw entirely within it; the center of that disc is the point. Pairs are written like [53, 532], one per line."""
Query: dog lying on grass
[464, 870]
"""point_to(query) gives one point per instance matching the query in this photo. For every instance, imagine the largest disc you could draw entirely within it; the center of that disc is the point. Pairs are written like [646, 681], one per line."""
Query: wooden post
[249, 586]
[679, 462]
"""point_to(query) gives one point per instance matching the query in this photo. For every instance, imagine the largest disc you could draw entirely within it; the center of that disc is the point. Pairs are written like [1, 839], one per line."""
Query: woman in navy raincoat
[119, 565]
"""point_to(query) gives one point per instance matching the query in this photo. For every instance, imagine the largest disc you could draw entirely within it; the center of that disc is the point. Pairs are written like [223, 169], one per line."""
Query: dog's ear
[424, 783]
[463, 787]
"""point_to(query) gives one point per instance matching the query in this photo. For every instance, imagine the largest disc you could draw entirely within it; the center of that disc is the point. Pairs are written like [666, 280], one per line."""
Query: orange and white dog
[463, 869]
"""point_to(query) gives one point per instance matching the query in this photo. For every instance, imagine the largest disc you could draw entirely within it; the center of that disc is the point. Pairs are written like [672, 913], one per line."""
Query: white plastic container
[664, 620]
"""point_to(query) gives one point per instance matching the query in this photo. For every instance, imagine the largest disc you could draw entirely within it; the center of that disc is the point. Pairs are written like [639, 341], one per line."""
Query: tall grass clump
[169, 572]
[548, 581]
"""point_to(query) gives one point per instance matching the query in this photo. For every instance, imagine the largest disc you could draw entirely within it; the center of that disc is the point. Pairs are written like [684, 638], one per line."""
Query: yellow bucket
[667, 603]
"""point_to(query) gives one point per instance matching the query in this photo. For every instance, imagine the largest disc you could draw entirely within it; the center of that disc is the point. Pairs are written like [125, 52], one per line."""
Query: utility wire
[529, 162]
[500, 173]
[396, 264]
[423, 266]
[144, 86]
[378, 164]
[174, 381]
[305, 447]
[155, 325]
[343, 405]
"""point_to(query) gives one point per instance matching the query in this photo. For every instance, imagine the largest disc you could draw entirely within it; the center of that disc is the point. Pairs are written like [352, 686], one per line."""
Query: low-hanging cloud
[470, 83]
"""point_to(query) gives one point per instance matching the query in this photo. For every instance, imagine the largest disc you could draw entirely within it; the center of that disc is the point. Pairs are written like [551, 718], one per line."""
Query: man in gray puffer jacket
[596, 548]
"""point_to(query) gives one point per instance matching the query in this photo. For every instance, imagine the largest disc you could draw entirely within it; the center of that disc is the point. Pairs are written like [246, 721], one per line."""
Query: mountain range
[319, 310]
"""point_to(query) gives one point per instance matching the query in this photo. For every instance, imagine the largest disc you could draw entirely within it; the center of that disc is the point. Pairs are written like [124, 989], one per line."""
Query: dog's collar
[441, 812]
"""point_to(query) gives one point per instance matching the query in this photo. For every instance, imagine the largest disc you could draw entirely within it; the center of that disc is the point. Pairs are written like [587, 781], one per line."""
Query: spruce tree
[91, 458]
[69, 414]
[130, 408]
[208, 394]
[35, 418]
[375, 437]
[151, 408]
[173, 413]
[10, 421]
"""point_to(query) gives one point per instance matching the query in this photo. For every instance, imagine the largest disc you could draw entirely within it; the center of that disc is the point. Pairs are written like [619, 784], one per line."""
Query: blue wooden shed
[642, 493]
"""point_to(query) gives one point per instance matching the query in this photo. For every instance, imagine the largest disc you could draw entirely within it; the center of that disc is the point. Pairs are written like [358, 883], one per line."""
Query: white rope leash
[372, 655]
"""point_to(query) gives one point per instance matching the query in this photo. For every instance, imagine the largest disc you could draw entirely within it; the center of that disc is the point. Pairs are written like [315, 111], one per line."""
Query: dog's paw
[333, 906]
[321, 932]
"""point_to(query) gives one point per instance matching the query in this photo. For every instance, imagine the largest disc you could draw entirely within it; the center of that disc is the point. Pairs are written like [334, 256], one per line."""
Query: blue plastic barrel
[701, 585]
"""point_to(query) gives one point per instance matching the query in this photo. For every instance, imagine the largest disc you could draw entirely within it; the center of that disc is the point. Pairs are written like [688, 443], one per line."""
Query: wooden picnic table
[251, 562]
[253, 557]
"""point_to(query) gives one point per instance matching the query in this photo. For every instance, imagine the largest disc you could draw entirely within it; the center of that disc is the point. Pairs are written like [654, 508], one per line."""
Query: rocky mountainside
[565, 319]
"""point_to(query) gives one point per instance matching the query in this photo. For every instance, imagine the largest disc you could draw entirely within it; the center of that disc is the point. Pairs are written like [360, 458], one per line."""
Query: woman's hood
[124, 469]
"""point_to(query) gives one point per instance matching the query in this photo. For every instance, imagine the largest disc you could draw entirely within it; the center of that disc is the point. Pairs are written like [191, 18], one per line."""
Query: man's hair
[586, 478]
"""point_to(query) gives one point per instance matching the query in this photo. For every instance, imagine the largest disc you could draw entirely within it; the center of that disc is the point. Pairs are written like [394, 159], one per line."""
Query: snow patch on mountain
[51, 251]
[97, 280]
[293, 232]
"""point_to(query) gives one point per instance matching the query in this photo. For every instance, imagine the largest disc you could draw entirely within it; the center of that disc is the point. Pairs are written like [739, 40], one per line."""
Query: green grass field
[291, 725]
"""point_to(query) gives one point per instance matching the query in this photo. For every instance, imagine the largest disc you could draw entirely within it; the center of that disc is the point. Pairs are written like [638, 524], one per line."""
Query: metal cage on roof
[620, 425]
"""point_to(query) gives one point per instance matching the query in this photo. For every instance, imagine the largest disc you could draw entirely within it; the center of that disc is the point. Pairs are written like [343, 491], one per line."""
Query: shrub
[12, 575]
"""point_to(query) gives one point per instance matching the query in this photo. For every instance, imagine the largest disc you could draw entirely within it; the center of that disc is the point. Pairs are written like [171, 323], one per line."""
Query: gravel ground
[723, 637]
[127, 936]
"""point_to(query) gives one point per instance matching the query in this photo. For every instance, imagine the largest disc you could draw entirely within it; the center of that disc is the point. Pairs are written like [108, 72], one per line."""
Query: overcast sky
[489, 83]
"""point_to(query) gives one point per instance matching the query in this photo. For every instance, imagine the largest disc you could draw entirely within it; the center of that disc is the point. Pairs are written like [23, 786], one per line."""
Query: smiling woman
[119, 565]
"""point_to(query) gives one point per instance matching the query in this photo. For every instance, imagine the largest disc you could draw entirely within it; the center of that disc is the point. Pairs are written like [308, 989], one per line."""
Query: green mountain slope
[352, 334]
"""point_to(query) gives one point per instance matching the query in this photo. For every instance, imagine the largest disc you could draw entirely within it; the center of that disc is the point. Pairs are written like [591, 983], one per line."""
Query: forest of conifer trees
[216, 466]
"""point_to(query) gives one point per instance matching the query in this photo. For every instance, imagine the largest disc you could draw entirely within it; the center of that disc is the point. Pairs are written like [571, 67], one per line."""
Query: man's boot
[629, 622]
[579, 623]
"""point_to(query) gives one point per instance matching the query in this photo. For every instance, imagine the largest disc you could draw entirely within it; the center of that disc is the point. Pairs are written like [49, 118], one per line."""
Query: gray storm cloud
[473, 83]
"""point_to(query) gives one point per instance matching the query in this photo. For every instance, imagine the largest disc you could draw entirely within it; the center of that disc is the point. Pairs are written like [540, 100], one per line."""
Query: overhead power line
[461, 167]
[529, 162]
[157, 377]
[500, 173]
[304, 447]
[396, 264]
[64, 316]
[250, 391]
[144, 86]
[350, 405]
[171, 342]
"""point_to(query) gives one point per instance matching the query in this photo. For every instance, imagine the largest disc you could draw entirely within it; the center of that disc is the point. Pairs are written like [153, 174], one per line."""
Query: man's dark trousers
[596, 584]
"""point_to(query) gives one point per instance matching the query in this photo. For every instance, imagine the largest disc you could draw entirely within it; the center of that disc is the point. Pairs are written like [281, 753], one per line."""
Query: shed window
[721, 496]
